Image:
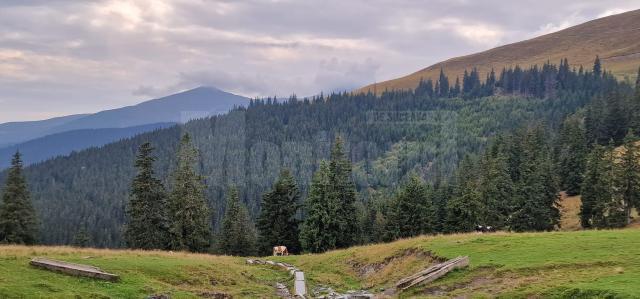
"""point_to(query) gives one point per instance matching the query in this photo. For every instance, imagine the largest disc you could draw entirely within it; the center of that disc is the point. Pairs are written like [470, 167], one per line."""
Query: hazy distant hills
[43, 148]
[14, 132]
[39, 140]
[616, 39]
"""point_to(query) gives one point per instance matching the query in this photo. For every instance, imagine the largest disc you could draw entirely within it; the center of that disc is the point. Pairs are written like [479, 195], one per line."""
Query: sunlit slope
[616, 39]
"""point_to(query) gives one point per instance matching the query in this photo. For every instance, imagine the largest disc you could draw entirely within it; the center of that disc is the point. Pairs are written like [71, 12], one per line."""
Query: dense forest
[443, 142]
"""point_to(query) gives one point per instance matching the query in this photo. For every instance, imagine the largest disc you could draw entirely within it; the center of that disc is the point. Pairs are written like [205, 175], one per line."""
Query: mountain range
[40, 140]
[615, 39]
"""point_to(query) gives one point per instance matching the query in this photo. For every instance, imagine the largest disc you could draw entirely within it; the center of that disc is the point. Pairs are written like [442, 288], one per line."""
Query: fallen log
[73, 269]
[432, 273]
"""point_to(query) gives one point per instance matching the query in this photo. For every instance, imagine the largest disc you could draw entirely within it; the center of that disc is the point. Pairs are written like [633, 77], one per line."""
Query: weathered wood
[432, 273]
[73, 269]
[299, 286]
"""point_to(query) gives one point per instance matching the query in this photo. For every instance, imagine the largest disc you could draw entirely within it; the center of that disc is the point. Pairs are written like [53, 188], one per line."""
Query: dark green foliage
[571, 155]
[18, 222]
[536, 198]
[277, 223]
[249, 146]
[496, 190]
[596, 187]
[82, 238]
[627, 176]
[343, 193]
[320, 228]
[464, 206]
[412, 212]
[237, 234]
[189, 215]
[147, 224]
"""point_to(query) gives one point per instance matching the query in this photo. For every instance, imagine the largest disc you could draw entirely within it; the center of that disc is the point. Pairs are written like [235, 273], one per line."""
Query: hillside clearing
[553, 264]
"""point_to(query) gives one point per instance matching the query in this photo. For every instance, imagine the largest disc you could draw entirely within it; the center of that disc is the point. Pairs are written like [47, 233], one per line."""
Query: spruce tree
[628, 176]
[536, 198]
[413, 212]
[343, 192]
[572, 155]
[237, 235]
[81, 238]
[496, 192]
[189, 215]
[319, 231]
[277, 223]
[147, 224]
[463, 208]
[593, 189]
[18, 222]
[597, 67]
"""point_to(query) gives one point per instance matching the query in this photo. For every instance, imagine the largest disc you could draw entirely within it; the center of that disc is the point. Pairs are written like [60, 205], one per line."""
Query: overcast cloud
[60, 57]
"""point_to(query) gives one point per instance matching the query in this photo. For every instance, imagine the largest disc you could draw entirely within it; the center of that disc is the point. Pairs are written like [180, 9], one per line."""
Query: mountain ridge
[615, 38]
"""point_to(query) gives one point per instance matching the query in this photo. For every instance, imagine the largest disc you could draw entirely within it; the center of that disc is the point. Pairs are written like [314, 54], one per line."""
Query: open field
[555, 264]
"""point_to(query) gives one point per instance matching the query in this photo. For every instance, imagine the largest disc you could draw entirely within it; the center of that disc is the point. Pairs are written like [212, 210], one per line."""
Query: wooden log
[432, 273]
[73, 269]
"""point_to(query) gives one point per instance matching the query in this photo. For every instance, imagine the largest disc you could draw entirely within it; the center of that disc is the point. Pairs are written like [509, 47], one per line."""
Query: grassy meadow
[577, 264]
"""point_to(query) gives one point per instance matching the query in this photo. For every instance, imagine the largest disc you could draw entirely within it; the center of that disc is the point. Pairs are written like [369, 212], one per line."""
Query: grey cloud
[92, 55]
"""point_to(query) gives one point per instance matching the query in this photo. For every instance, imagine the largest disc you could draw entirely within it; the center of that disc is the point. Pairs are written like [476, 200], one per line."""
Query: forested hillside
[426, 132]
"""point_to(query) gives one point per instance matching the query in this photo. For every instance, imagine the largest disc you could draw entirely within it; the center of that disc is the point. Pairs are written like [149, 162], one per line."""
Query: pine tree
[536, 198]
[628, 176]
[319, 231]
[18, 222]
[592, 188]
[462, 209]
[597, 67]
[413, 212]
[81, 238]
[238, 235]
[147, 224]
[443, 81]
[277, 223]
[572, 155]
[496, 191]
[189, 215]
[343, 191]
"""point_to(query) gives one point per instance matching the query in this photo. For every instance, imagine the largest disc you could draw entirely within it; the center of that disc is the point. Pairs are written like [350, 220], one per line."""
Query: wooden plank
[432, 273]
[73, 269]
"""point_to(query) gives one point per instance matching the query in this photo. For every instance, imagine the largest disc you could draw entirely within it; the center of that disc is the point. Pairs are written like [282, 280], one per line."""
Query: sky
[61, 57]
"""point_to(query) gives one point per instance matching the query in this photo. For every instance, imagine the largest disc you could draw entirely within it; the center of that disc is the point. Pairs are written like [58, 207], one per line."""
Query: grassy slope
[615, 38]
[510, 265]
[143, 273]
[506, 264]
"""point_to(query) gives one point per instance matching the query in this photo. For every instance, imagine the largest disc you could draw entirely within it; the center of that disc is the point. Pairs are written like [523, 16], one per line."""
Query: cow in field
[485, 229]
[280, 250]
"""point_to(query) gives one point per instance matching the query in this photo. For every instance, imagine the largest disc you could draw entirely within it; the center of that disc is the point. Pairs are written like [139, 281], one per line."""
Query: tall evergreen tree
[536, 207]
[189, 215]
[319, 231]
[147, 224]
[412, 210]
[572, 155]
[18, 221]
[597, 67]
[277, 223]
[628, 175]
[237, 235]
[593, 188]
[443, 84]
[343, 192]
[496, 192]
[462, 209]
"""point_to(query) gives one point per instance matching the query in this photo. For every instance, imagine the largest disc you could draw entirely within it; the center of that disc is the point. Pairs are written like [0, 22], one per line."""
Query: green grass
[581, 264]
[179, 275]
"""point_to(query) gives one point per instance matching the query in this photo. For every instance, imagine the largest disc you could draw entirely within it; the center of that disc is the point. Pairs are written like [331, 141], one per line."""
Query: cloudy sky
[60, 57]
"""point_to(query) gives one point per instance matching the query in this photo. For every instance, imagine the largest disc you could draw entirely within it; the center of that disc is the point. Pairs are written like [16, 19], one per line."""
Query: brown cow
[280, 250]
